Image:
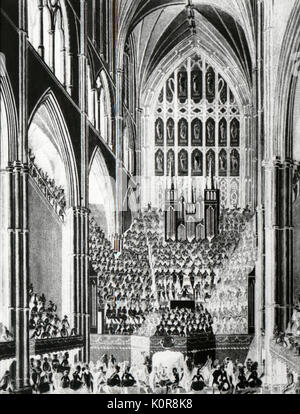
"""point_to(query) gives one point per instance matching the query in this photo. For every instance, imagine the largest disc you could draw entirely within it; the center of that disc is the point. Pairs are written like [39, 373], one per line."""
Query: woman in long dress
[114, 380]
[127, 378]
[76, 382]
[198, 383]
[101, 380]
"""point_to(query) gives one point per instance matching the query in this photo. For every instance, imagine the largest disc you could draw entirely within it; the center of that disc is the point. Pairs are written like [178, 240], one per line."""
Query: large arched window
[196, 122]
[47, 31]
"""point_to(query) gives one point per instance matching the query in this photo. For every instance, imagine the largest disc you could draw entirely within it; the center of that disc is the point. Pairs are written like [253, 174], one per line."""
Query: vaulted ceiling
[159, 26]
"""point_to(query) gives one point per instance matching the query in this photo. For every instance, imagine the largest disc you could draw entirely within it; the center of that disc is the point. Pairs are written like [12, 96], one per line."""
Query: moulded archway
[101, 194]
[53, 194]
[8, 154]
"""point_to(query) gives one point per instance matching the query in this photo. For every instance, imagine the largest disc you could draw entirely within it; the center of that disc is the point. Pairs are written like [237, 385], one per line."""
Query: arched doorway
[53, 191]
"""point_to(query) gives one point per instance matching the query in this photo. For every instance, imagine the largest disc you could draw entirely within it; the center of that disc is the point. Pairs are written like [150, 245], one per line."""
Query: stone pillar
[20, 277]
[82, 212]
[52, 49]
[258, 181]
[272, 173]
[18, 220]
[119, 160]
[284, 277]
[41, 47]
[102, 25]
[138, 168]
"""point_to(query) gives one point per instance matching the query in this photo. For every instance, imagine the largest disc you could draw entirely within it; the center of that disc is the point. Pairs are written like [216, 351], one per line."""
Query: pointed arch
[103, 108]
[8, 154]
[58, 133]
[287, 77]
[9, 118]
[101, 193]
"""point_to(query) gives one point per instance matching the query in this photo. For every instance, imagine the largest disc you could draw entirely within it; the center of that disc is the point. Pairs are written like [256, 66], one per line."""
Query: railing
[41, 347]
[7, 350]
[54, 195]
[289, 356]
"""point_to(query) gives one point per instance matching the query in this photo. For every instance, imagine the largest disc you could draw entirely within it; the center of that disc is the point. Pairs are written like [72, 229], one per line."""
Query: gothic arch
[130, 202]
[8, 154]
[8, 146]
[101, 193]
[150, 91]
[104, 94]
[288, 74]
[60, 139]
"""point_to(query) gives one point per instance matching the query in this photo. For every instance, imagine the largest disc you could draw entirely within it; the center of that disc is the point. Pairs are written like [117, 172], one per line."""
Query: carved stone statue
[159, 164]
[210, 133]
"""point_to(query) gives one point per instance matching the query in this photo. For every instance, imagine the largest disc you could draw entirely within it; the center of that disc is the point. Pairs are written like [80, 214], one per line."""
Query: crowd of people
[55, 374]
[125, 282]
[44, 322]
[119, 320]
[150, 273]
[229, 302]
[185, 322]
[290, 339]
[211, 272]
[54, 194]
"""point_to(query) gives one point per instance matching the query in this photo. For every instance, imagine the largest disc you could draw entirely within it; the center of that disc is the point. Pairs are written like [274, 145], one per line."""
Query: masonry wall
[45, 247]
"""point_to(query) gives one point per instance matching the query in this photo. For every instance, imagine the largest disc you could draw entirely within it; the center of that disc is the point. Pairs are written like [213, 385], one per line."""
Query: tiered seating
[44, 322]
[151, 272]
[184, 322]
[125, 280]
[290, 339]
[54, 194]
[213, 272]
[123, 321]
[229, 302]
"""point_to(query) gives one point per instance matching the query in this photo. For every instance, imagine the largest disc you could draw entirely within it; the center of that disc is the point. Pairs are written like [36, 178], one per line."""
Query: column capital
[18, 166]
[269, 164]
[81, 210]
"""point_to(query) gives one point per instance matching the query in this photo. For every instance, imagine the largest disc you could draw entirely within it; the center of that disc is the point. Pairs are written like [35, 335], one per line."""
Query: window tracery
[197, 122]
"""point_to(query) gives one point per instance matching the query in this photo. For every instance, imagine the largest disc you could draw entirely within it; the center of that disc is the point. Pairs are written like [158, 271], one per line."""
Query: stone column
[18, 221]
[119, 161]
[138, 168]
[20, 277]
[82, 212]
[272, 173]
[285, 245]
[52, 49]
[41, 47]
[258, 180]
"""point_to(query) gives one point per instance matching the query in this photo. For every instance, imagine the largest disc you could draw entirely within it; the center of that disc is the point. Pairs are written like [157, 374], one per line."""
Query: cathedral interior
[149, 185]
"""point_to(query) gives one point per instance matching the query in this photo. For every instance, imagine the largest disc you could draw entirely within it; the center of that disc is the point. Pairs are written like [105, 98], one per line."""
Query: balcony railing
[53, 194]
[289, 356]
[44, 346]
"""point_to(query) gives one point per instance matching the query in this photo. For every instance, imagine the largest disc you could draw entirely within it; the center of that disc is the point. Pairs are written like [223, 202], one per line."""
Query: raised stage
[134, 348]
